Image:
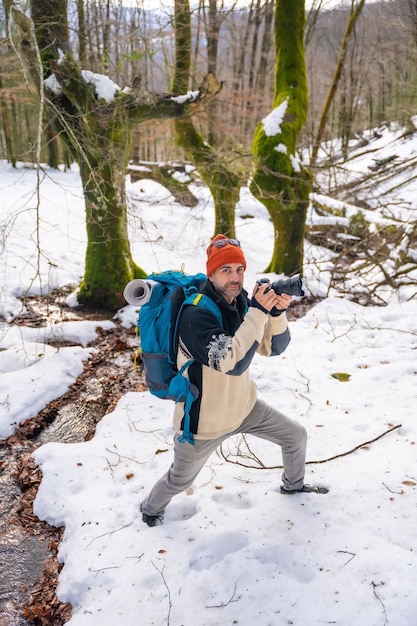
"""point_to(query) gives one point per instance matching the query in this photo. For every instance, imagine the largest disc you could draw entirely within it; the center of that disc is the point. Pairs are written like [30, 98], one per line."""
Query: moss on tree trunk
[102, 133]
[109, 265]
[222, 183]
[279, 181]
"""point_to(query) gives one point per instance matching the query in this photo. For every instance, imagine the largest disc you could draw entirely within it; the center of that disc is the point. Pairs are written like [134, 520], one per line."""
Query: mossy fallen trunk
[164, 175]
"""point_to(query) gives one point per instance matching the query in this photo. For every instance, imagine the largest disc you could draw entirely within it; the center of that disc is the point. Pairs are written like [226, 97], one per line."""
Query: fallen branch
[332, 458]
[366, 443]
[165, 176]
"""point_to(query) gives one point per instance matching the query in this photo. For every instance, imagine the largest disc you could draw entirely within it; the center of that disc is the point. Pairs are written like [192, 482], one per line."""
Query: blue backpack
[158, 321]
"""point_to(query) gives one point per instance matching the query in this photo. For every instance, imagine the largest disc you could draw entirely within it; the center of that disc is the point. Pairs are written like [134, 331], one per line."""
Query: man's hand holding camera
[265, 298]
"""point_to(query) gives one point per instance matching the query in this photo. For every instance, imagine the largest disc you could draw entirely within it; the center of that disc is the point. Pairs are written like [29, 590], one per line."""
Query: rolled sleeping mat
[139, 291]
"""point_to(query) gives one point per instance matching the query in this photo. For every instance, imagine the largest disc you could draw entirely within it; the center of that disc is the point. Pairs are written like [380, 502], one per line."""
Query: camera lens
[292, 286]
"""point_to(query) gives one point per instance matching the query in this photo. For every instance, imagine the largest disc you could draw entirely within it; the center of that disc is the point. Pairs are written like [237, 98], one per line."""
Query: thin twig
[374, 586]
[139, 556]
[122, 456]
[108, 534]
[223, 604]
[391, 491]
[352, 556]
[111, 470]
[331, 458]
[102, 569]
[161, 571]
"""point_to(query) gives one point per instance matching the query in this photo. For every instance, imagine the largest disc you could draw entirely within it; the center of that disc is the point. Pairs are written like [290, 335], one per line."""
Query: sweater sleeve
[204, 340]
[276, 336]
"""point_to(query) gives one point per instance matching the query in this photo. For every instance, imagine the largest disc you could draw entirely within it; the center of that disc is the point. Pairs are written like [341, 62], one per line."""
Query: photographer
[227, 402]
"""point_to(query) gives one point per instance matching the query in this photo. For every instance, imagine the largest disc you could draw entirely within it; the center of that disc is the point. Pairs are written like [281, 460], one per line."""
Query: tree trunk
[212, 35]
[249, 116]
[279, 181]
[7, 129]
[223, 184]
[106, 38]
[261, 74]
[108, 262]
[353, 18]
[82, 42]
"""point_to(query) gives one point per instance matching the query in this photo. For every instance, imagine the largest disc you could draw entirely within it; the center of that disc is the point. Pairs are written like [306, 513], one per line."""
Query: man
[227, 402]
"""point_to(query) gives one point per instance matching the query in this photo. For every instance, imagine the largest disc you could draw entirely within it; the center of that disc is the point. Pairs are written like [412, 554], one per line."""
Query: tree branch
[260, 465]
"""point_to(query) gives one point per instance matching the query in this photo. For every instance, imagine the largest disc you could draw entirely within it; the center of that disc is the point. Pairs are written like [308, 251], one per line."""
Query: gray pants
[264, 422]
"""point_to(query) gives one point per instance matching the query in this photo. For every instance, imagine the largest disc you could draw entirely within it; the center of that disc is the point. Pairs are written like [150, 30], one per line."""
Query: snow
[103, 85]
[29, 365]
[52, 83]
[272, 122]
[107, 89]
[295, 163]
[232, 550]
[190, 96]
[281, 147]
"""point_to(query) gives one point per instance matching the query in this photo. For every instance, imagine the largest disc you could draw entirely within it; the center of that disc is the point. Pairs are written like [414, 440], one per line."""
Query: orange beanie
[229, 253]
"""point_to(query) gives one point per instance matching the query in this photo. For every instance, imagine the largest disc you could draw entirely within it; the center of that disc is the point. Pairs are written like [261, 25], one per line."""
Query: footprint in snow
[285, 562]
[180, 511]
[208, 553]
[233, 501]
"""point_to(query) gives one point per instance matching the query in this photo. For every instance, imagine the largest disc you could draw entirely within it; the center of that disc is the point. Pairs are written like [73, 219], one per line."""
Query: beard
[230, 290]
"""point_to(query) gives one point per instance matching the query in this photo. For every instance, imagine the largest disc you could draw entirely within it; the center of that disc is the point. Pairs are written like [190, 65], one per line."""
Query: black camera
[293, 286]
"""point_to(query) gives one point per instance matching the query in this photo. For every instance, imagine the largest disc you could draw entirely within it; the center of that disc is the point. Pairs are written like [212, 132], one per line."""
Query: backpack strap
[185, 389]
[208, 304]
[195, 299]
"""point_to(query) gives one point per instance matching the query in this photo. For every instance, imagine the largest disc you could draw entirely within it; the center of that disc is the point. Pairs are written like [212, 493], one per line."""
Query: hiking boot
[304, 489]
[151, 520]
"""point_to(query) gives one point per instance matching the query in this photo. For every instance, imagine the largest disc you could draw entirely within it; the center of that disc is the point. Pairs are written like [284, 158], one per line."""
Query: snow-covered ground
[231, 550]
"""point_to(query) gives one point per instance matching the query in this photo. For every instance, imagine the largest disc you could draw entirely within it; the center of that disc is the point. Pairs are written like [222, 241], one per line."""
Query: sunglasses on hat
[221, 243]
